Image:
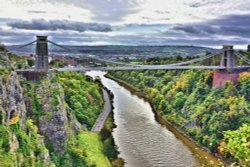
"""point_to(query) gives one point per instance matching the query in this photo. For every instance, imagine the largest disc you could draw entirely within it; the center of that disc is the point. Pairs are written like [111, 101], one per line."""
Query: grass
[93, 149]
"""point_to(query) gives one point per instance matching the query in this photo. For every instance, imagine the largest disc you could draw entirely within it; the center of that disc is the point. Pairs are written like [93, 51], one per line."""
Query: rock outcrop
[55, 123]
[13, 123]
[11, 96]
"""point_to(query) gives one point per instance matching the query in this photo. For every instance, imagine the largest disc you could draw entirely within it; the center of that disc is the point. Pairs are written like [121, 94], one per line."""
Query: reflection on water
[141, 140]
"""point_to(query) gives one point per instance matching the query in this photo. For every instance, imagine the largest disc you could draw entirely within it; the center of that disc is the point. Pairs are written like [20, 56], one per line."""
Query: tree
[30, 62]
[238, 144]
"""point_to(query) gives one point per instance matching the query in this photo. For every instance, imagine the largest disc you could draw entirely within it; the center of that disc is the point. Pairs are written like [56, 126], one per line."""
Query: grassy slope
[93, 149]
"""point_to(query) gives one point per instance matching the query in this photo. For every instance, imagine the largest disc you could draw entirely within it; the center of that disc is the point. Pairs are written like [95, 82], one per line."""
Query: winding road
[104, 115]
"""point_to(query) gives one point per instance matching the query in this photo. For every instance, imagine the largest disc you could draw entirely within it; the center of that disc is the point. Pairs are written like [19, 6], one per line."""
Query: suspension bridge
[226, 70]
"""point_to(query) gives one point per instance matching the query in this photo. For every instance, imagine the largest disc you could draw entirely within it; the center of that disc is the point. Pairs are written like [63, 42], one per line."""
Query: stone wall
[221, 77]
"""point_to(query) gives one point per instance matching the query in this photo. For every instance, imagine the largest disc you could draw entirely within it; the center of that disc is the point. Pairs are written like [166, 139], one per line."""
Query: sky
[209, 23]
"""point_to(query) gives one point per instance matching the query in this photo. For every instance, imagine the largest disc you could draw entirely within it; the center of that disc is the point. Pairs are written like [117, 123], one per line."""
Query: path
[104, 115]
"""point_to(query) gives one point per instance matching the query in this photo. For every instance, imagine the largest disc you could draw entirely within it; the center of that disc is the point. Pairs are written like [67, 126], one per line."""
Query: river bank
[106, 127]
[204, 156]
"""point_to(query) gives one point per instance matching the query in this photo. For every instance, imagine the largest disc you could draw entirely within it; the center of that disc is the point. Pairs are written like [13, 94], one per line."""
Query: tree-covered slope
[186, 98]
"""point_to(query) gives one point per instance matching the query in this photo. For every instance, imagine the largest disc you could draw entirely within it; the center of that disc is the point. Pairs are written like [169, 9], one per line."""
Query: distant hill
[118, 50]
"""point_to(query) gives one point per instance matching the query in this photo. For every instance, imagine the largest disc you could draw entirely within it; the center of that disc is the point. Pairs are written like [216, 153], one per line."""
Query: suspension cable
[190, 61]
[22, 46]
[176, 64]
[65, 48]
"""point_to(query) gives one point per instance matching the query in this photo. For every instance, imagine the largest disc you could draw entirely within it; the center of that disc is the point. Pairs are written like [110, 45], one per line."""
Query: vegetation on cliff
[65, 106]
[46, 123]
[186, 98]
[20, 142]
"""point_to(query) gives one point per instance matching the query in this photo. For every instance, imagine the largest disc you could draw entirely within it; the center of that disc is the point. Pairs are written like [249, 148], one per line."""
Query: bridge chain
[24, 45]
[190, 61]
[63, 47]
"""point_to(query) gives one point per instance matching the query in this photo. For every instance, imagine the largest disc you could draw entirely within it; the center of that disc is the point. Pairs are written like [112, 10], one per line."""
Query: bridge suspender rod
[59, 45]
[242, 57]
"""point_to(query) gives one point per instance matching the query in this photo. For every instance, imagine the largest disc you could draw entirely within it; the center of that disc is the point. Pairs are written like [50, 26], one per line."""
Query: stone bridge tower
[41, 62]
[227, 58]
[220, 77]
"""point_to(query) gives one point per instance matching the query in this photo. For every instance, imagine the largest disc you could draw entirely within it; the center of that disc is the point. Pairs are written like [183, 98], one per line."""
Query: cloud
[111, 10]
[36, 11]
[42, 24]
[197, 4]
[230, 25]
[104, 10]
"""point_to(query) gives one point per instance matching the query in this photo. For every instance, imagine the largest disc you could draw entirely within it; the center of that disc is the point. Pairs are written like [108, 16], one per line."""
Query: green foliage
[238, 144]
[57, 64]
[31, 62]
[87, 149]
[109, 149]
[28, 146]
[18, 62]
[4, 140]
[82, 96]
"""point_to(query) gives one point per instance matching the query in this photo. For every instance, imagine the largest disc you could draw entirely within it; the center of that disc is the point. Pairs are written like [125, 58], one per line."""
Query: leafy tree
[238, 144]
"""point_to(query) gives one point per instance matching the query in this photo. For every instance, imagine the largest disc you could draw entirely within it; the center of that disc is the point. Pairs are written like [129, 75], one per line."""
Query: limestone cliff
[11, 102]
[14, 130]
[55, 123]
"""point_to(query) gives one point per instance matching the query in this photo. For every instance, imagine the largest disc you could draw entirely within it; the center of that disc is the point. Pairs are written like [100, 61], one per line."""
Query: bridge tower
[220, 77]
[227, 58]
[41, 62]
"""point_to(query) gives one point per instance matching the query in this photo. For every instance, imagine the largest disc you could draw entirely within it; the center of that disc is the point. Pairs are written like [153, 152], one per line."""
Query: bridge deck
[146, 67]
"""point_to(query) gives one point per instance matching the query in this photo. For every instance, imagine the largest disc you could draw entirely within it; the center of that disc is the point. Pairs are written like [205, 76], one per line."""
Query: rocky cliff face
[13, 123]
[11, 101]
[55, 123]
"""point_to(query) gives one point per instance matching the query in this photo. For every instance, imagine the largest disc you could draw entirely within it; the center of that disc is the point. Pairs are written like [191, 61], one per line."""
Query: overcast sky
[209, 23]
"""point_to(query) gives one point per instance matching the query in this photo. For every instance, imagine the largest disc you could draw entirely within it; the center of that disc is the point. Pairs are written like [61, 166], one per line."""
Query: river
[141, 140]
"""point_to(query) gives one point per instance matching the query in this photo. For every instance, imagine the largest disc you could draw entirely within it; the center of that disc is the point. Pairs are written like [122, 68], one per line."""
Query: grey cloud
[197, 4]
[104, 10]
[69, 38]
[231, 25]
[111, 10]
[162, 12]
[41, 24]
[36, 11]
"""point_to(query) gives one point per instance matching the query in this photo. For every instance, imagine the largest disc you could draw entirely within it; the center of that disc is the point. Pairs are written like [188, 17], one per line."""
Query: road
[104, 115]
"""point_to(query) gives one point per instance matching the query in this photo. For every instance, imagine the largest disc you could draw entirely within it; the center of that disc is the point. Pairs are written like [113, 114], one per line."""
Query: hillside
[217, 118]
